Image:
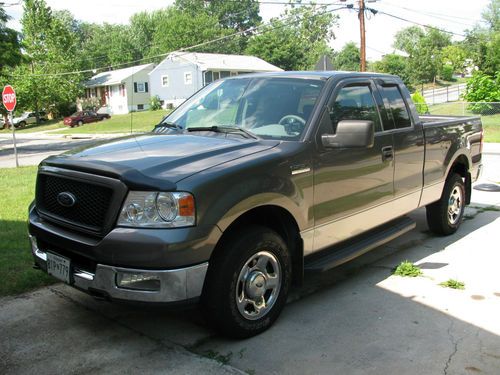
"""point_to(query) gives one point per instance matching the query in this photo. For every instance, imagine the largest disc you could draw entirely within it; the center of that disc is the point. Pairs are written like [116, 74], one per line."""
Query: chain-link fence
[461, 109]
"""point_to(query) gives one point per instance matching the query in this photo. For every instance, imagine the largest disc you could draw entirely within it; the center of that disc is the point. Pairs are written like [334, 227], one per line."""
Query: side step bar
[352, 248]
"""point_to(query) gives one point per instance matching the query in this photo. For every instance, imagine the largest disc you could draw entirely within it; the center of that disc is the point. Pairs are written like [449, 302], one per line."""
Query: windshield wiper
[224, 129]
[167, 125]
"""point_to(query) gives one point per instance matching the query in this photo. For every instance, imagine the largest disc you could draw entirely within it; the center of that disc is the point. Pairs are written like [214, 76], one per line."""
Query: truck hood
[157, 161]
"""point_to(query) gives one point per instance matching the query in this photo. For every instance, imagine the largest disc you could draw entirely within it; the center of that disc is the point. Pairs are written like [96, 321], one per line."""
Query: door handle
[387, 153]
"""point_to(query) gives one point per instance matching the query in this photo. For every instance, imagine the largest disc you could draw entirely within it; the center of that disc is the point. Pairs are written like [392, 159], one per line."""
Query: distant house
[118, 91]
[181, 74]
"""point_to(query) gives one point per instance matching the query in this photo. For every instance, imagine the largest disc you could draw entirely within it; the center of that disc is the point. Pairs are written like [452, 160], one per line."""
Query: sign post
[9, 101]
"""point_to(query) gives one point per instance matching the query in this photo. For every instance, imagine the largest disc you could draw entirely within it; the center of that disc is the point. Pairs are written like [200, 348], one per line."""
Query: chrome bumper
[175, 285]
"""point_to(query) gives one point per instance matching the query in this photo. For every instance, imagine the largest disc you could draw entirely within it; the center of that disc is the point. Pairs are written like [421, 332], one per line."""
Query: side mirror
[350, 134]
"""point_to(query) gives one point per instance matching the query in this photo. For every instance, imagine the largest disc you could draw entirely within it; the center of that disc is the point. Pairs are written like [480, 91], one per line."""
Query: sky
[452, 15]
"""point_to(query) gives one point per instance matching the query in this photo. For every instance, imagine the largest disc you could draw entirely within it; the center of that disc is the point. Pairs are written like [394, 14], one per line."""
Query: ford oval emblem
[66, 199]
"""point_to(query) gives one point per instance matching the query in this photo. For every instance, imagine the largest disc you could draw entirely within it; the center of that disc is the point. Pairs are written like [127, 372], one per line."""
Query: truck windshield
[270, 108]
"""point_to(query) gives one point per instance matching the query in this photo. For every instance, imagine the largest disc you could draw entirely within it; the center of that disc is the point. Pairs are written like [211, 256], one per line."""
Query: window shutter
[135, 86]
[145, 86]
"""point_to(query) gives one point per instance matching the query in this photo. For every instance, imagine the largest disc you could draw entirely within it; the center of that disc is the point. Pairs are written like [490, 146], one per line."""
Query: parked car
[84, 117]
[28, 118]
[249, 184]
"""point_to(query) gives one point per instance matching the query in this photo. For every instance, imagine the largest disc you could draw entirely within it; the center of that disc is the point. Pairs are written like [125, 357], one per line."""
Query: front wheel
[445, 216]
[80, 123]
[247, 282]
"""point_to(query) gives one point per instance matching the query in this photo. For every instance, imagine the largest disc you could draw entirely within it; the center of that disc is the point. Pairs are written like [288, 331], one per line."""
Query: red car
[84, 117]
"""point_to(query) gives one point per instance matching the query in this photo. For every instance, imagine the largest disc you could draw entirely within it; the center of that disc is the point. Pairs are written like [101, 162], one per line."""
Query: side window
[396, 105]
[355, 102]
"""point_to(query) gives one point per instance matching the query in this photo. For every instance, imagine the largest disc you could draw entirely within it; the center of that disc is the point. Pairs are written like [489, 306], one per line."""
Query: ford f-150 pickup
[249, 184]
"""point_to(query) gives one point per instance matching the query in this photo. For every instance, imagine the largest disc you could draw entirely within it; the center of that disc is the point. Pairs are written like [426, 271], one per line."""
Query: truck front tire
[445, 216]
[247, 282]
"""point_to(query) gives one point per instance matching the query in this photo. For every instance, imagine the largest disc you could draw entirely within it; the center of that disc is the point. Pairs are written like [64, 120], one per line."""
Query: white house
[181, 74]
[119, 91]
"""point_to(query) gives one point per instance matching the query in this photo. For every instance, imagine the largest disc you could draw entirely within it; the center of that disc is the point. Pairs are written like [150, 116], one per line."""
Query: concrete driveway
[355, 319]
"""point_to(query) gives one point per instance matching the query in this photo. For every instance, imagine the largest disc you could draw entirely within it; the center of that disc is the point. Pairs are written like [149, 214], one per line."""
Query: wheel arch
[461, 165]
[280, 220]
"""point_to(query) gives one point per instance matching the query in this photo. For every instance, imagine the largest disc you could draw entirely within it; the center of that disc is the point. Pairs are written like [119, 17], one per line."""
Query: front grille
[91, 205]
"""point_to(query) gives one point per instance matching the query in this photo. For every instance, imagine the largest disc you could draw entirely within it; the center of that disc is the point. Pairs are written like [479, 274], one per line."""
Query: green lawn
[491, 123]
[132, 122]
[135, 122]
[16, 271]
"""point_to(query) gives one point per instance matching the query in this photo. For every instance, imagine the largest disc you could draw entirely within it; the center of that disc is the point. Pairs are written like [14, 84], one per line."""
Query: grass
[453, 284]
[16, 272]
[407, 269]
[441, 83]
[136, 121]
[491, 123]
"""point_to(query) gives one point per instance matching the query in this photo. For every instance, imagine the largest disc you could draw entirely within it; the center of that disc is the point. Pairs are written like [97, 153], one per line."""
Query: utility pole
[361, 16]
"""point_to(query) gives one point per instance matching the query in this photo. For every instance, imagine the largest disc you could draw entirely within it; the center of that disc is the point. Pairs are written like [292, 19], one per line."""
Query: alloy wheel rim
[258, 285]
[455, 205]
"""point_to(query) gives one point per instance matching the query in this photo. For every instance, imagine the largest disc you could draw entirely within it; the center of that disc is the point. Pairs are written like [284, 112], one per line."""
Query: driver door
[349, 183]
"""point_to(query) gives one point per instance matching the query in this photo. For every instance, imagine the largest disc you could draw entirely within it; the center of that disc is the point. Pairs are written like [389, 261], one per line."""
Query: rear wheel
[247, 282]
[80, 123]
[445, 216]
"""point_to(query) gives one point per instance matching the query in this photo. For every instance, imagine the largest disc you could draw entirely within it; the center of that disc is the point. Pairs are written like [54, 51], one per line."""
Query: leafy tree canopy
[295, 41]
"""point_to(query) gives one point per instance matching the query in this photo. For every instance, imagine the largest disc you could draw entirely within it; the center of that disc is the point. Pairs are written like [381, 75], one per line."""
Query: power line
[416, 23]
[438, 16]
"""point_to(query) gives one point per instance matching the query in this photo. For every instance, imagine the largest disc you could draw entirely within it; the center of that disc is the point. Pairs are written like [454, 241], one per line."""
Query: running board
[352, 248]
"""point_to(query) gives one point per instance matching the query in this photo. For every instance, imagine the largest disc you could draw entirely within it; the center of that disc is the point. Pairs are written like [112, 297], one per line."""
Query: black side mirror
[350, 134]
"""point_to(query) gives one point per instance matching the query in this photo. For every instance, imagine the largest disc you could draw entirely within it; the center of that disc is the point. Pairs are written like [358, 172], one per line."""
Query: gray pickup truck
[249, 184]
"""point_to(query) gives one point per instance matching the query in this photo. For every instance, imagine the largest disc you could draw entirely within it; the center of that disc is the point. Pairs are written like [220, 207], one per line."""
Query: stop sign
[9, 98]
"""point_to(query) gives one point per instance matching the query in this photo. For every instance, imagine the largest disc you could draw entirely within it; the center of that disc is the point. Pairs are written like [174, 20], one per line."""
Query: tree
[10, 53]
[237, 15]
[348, 58]
[454, 55]
[406, 40]
[424, 51]
[176, 29]
[483, 88]
[49, 45]
[394, 64]
[297, 40]
[492, 15]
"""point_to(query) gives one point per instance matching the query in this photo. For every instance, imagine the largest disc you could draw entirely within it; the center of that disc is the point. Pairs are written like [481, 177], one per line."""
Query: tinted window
[354, 102]
[394, 100]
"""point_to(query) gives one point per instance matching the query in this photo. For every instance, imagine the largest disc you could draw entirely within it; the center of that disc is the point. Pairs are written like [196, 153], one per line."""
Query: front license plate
[59, 267]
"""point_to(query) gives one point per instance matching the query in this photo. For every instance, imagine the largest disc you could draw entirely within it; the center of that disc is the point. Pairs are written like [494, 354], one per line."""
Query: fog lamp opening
[138, 281]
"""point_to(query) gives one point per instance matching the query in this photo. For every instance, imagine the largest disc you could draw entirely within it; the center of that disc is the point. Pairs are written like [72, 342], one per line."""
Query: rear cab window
[396, 107]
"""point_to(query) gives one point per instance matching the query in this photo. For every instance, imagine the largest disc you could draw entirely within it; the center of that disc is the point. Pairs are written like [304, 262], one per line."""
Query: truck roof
[322, 75]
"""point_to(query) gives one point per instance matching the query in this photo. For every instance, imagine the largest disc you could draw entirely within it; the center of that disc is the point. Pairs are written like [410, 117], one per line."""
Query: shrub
[453, 284]
[420, 103]
[155, 103]
[446, 72]
[482, 89]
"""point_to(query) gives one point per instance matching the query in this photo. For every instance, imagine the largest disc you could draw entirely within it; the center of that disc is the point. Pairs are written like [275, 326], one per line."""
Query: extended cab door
[408, 144]
[350, 183]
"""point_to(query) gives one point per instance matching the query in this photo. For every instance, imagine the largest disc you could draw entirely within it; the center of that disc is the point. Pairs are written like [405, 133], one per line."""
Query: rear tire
[445, 216]
[80, 123]
[247, 282]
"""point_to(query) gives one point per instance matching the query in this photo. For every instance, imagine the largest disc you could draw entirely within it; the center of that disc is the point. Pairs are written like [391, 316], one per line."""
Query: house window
[188, 78]
[208, 78]
[164, 81]
[234, 74]
[224, 74]
[140, 107]
[122, 90]
[140, 87]
[216, 75]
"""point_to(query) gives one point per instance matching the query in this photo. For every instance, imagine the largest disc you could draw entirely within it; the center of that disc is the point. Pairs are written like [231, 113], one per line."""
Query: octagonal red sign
[9, 98]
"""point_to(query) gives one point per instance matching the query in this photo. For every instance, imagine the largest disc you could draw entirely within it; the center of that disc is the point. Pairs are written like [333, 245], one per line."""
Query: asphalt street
[355, 319]
[32, 148]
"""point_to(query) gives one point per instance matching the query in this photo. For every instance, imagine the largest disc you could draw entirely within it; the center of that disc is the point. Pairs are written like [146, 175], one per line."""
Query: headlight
[153, 209]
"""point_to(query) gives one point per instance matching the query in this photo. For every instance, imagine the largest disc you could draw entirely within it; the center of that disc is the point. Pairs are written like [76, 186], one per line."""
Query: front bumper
[176, 285]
